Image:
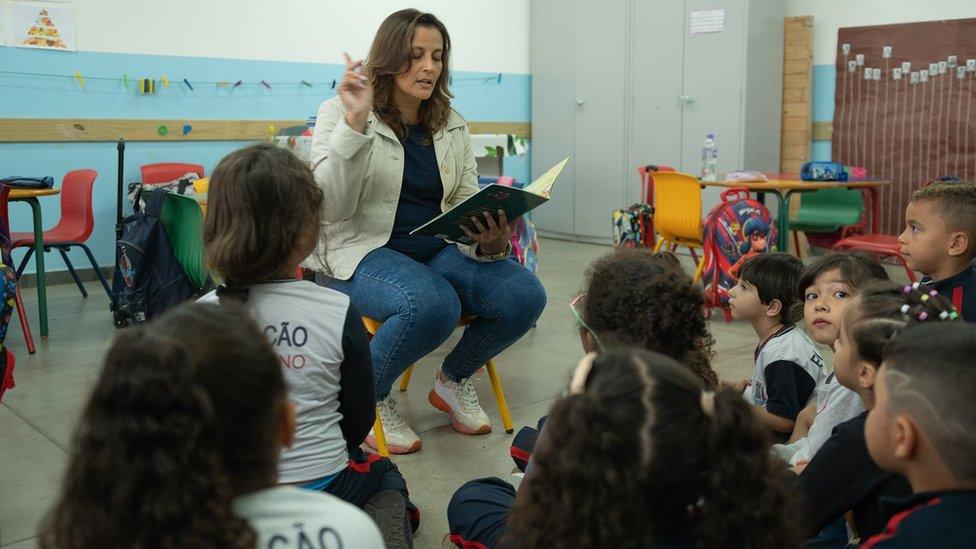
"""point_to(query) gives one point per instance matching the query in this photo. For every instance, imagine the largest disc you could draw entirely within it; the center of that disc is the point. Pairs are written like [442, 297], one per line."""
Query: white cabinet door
[713, 81]
[602, 34]
[553, 45]
[657, 71]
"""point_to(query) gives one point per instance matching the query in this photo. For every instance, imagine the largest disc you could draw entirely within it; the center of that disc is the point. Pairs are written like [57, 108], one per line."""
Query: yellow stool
[373, 326]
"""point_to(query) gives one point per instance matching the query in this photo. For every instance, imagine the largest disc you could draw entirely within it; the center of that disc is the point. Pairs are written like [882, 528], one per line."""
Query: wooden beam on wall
[796, 127]
[62, 130]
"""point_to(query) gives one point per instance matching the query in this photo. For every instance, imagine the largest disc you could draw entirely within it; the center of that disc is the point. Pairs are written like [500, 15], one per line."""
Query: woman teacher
[390, 154]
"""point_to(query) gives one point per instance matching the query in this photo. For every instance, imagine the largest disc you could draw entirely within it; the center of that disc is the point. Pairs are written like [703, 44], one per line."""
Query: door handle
[580, 102]
[687, 100]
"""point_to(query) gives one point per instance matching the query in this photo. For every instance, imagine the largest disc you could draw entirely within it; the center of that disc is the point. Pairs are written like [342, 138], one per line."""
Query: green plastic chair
[826, 211]
[182, 219]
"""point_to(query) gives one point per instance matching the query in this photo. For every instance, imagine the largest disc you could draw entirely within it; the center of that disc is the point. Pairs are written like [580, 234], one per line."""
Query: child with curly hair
[631, 298]
[689, 468]
[178, 446]
[842, 477]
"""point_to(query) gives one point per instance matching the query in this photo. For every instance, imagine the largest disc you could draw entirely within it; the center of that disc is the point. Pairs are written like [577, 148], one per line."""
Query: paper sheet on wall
[707, 21]
[40, 26]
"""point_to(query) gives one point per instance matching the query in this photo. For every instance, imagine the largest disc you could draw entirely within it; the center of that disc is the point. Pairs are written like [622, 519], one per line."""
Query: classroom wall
[830, 15]
[281, 42]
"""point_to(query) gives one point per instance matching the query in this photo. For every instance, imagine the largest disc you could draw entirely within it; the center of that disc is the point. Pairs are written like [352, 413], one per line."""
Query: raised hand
[356, 94]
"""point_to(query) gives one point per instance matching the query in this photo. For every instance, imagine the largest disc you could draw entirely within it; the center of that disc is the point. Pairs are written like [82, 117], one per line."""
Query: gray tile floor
[37, 418]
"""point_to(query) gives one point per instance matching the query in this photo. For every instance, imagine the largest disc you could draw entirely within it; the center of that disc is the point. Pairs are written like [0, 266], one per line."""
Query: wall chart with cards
[903, 106]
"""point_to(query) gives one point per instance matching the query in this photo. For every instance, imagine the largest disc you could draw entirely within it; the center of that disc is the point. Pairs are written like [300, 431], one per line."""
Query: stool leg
[699, 270]
[496, 386]
[405, 379]
[380, 437]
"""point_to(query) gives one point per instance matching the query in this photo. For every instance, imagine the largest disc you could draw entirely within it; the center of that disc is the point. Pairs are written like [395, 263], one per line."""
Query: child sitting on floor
[841, 477]
[181, 433]
[263, 219]
[828, 286]
[637, 298]
[638, 456]
[921, 427]
[787, 364]
[939, 240]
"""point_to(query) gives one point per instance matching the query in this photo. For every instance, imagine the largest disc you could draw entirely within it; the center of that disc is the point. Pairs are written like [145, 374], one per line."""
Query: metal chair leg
[71, 269]
[796, 243]
[496, 386]
[98, 271]
[405, 379]
[23, 262]
[380, 436]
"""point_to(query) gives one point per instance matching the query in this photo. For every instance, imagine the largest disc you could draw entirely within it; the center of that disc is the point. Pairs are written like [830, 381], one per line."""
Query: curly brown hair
[390, 55]
[639, 298]
[635, 460]
[183, 418]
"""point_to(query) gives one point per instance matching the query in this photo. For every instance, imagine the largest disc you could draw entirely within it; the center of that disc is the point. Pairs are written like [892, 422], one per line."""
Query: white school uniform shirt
[791, 348]
[287, 516]
[839, 404]
[304, 323]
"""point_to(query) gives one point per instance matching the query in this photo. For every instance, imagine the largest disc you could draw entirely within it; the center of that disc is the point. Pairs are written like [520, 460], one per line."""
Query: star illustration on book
[43, 33]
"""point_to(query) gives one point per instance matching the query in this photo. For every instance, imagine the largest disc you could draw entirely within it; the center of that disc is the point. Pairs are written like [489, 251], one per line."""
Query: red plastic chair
[881, 245]
[73, 229]
[647, 189]
[21, 310]
[168, 171]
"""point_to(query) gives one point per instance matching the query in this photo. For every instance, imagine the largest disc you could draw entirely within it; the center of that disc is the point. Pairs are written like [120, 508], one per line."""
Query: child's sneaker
[460, 401]
[400, 438]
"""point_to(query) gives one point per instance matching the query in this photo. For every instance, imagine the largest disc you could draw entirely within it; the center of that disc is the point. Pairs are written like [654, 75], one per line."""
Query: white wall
[830, 15]
[487, 36]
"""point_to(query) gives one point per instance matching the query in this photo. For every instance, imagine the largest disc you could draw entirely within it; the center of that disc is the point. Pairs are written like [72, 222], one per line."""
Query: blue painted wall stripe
[478, 97]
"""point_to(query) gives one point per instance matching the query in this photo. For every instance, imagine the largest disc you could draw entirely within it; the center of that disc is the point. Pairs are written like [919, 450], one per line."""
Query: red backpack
[735, 230]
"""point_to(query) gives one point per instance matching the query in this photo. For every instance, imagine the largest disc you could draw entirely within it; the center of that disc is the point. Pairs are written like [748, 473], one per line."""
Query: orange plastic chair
[373, 326]
[677, 214]
[163, 172]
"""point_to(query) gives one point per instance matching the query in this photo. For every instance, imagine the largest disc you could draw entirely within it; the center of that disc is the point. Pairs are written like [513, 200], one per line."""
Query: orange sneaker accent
[439, 403]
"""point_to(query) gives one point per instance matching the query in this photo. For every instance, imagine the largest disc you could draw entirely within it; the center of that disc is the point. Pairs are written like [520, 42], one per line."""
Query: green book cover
[515, 202]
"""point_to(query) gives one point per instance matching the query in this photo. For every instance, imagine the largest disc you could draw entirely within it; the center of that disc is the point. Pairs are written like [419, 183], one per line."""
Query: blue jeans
[419, 305]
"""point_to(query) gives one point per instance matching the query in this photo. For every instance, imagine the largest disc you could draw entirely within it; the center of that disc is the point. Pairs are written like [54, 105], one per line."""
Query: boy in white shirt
[788, 366]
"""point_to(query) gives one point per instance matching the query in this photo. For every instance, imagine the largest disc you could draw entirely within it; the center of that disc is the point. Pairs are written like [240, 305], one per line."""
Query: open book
[515, 202]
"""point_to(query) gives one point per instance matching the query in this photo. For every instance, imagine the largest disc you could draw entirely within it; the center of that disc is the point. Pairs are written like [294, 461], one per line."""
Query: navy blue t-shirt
[960, 289]
[420, 197]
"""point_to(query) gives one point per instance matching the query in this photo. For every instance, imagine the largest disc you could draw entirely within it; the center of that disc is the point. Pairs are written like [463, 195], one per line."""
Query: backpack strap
[155, 205]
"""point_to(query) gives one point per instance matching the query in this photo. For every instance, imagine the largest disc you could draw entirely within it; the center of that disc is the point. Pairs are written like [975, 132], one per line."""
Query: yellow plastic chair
[201, 187]
[373, 326]
[677, 214]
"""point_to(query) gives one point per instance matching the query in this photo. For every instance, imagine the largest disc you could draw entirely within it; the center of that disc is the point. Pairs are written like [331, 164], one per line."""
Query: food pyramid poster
[40, 26]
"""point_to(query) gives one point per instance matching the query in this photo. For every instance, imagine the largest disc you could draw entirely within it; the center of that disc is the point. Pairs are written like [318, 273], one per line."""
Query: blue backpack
[148, 278]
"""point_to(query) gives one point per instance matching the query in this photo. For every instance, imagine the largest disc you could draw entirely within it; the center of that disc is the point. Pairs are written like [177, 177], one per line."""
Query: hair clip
[923, 315]
[924, 298]
[943, 315]
[907, 289]
[933, 293]
[953, 315]
[915, 286]
[904, 309]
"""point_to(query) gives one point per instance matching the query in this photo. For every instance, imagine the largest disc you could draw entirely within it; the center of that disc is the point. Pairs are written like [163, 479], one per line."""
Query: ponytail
[745, 498]
[146, 469]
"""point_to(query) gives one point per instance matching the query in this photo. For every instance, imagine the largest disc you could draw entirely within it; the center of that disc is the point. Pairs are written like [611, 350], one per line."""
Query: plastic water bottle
[709, 158]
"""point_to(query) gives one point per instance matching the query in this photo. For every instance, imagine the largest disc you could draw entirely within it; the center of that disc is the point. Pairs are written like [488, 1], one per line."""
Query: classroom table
[784, 189]
[30, 197]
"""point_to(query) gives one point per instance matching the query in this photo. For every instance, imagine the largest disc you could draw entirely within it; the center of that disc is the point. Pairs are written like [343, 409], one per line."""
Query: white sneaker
[400, 438]
[460, 401]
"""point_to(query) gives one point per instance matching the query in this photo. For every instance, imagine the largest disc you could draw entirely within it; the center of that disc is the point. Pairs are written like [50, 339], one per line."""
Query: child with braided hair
[689, 468]
[842, 477]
